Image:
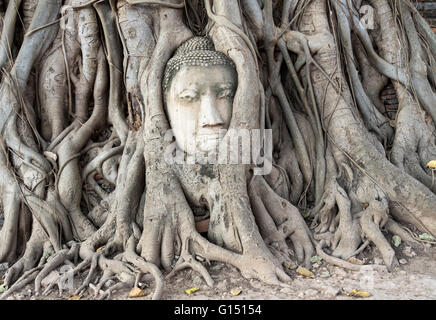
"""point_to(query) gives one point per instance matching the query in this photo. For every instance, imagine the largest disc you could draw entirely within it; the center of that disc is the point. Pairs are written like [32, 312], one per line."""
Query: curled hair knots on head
[197, 51]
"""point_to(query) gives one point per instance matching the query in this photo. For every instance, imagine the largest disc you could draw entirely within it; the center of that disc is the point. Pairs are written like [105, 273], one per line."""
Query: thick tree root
[278, 220]
[58, 259]
[25, 279]
[342, 263]
[331, 141]
[145, 267]
[187, 260]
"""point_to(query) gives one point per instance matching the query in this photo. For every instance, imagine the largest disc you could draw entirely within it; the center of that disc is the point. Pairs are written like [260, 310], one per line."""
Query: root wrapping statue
[86, 107]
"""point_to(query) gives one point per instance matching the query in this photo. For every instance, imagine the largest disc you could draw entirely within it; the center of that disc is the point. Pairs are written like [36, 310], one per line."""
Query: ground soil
[415, 279]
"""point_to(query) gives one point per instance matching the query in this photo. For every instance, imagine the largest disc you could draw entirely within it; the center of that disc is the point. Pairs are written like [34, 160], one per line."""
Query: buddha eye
[188, 96]
[225, 93]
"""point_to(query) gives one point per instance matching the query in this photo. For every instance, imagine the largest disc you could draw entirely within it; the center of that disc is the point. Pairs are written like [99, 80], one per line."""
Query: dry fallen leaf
[363, 294]
[290, 265]
[432, 164]
[305, 272]
[191, 290]
[359, 293]
[136, 293]
[75, 297]
[1, 282]
[354, 260]
[99, 249]
[235, 292]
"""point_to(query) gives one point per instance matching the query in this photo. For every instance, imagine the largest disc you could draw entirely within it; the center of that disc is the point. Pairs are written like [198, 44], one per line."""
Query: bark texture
[83, 177]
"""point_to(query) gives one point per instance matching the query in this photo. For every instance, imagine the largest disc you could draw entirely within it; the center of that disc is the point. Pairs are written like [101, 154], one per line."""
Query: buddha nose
[209, 113]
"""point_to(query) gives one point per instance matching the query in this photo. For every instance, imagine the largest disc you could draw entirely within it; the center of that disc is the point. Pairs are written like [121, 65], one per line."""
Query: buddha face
[199, 106]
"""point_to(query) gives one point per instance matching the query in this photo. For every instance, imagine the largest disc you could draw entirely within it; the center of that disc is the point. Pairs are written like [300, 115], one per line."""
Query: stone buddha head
[198, 86]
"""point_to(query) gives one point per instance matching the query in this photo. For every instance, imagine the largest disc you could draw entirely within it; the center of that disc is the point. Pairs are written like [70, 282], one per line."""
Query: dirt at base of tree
[89, 184]
[415, 279]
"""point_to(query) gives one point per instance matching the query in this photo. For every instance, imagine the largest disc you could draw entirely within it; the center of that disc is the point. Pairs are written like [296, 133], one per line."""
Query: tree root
[342, 263]
[61, 281]
[33, 252]
[58, 259]
[145, 267]
[370, 221]
[187, 260]
[278, 219]
[25, 279]
[328, 159]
